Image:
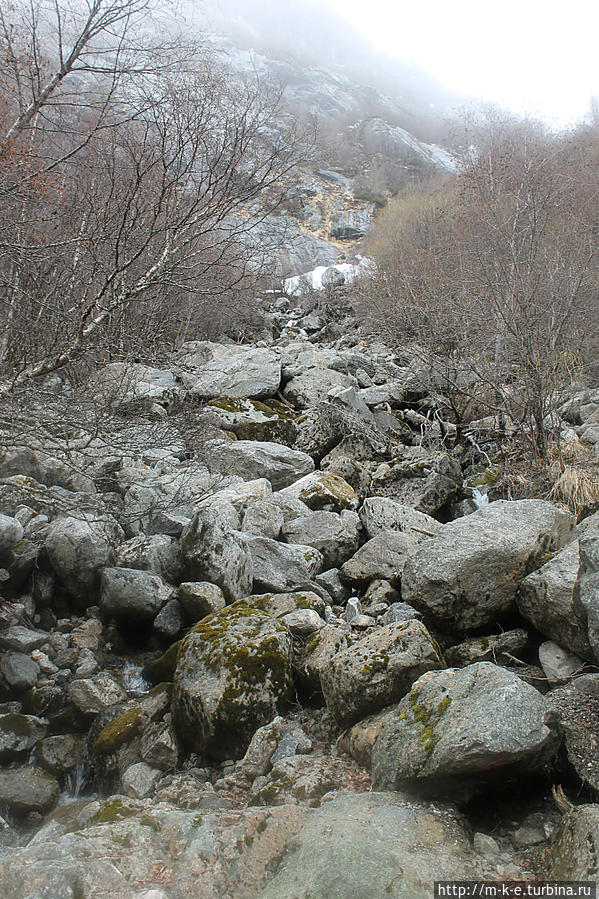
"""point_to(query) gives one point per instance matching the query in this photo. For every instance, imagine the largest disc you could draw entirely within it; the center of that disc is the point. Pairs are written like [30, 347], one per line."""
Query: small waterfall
[133, 682]
[479, 499]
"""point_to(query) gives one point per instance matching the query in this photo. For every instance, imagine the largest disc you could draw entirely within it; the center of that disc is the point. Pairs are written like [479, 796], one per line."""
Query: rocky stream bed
[301, 656]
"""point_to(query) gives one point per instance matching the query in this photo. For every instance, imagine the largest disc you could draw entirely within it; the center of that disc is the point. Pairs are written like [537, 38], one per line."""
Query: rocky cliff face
[364, 152]
[262, 586]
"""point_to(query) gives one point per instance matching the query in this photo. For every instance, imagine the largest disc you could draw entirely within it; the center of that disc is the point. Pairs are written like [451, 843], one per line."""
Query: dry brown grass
[577, 487]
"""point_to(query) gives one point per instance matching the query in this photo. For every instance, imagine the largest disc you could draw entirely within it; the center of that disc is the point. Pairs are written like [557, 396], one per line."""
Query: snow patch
[296, 285]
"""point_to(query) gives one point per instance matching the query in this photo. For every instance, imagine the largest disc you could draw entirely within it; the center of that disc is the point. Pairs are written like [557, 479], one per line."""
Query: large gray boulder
[466, 578]
[313, 385]
[130, 595]
[211, 370]
[576, 705]
[372, 846]
[380, 513]
[158, 553]
[318, 652]
[574, 846]
[335, 536]
[11, 531]
[25, 790]
[547, 597]
[213, 552]
[78, 549]
[200, 598]
[92, 695]
[251, 459]
[587, 586]
[462, 731]
[281, 567]
[154, 498]
[233, 675]
[266, 517]
[423, 482]
[19, 734]
[383, 557]
[377, 670]
[122, 847]
[321, 491]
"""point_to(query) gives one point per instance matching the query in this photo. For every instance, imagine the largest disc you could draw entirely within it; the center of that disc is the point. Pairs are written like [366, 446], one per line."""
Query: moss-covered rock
[377, 670]
[162, 669]
[119, 731]
[463, 731]
[323, 491]
[233, 675]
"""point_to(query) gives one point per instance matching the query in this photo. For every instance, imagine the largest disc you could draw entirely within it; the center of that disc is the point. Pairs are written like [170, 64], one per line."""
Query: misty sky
[534, 56]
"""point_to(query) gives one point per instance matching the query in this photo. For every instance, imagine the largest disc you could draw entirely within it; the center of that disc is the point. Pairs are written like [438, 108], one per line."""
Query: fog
[530, 57]
[313, 34]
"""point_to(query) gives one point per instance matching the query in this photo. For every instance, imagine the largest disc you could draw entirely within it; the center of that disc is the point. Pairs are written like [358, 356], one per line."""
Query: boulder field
[275, 645]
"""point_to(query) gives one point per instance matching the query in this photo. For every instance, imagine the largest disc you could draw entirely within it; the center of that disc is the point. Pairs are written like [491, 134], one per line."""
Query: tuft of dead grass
[577, 488]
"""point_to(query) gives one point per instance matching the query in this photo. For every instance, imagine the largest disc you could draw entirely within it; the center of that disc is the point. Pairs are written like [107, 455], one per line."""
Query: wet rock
[19, 734]
[91, 695]
[377, 670]
[467, 576]
[462, 731]
[20, 671]
[162, 669]
[214, 552]
[130, 595]
[25, 790]
[233, 674]
[60, 754]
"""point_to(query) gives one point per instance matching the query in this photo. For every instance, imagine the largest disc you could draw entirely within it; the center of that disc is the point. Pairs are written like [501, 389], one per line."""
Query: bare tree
[496, 270]
[149, 204]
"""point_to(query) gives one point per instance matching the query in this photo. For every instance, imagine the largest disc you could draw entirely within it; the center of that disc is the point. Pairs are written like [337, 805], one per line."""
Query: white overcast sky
[534, 56]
